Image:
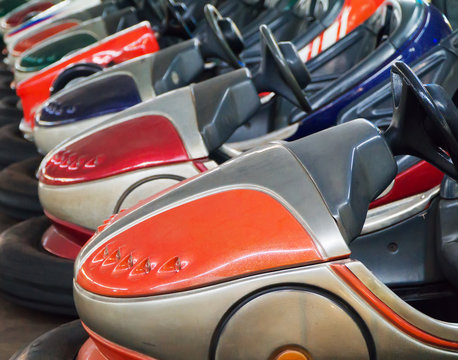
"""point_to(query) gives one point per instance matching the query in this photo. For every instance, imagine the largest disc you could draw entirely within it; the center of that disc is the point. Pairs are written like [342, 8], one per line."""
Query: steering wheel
[227, 34]
[425, 121]
[286, 60]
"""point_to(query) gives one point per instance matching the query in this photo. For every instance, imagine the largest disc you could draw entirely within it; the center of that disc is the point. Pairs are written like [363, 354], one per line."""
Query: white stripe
[315, 46]
[303, 53]
[330, 36]
[344, 23]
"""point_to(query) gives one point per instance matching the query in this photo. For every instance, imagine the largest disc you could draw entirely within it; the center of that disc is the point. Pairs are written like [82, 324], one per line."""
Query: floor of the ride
[19, 326]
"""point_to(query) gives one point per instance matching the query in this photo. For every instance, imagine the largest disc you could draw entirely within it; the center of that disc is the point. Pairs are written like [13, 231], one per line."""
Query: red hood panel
[131, 145]
[209, 240]
[416, 179]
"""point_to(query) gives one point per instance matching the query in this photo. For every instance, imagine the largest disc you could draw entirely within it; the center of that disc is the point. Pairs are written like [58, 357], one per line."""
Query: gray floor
[19, 326]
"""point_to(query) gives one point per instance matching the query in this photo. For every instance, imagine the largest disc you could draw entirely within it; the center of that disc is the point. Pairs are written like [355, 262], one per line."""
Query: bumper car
[274, 277]
[333, 19]
[169, 69]
[67, 171]
[34, 90]
[51, 128]
[235, 91]
[327, 87]
[22, 202]
[114, 49]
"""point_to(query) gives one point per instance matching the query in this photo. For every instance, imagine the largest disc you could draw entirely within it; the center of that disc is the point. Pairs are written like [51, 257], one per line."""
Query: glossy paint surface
[108, 95]
[133, 42]
[144, 142]
[45, 56]
[64, 239]
[199, 243]
[416, 179]
[99, 348]
[429, 34]
[18, 17]
[395, 319]
[60, 242]
[28, 42]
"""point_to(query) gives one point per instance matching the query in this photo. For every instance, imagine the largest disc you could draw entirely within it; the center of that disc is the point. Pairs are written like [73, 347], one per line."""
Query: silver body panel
[149, 324]
[48, 138]
[101, 196]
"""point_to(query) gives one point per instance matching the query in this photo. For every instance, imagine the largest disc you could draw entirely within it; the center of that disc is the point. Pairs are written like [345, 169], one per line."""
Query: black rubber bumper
[6, 77]
[31, 276]
[62, 343]
[9, 112]
[13, 146]
[19, 189]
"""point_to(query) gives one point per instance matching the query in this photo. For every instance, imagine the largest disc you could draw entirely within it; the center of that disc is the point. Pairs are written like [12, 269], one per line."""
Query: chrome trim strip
[397, 211]
[442, 329]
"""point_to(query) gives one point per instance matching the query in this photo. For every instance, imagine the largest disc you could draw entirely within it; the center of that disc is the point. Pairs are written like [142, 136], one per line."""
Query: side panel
[252, 233]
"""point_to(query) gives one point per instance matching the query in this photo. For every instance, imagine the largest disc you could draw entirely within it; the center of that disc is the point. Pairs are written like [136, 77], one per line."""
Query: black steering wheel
[227, 34]
[425, 121]
[284, 58]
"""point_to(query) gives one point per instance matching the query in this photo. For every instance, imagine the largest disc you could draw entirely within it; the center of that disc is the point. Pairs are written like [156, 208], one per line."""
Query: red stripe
[343, 272]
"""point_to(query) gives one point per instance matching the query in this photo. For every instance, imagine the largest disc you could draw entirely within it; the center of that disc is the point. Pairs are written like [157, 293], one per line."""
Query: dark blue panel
[106, 95]
[429, 34]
